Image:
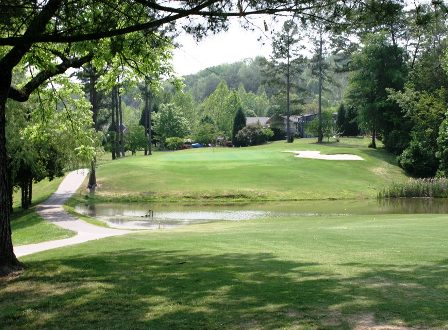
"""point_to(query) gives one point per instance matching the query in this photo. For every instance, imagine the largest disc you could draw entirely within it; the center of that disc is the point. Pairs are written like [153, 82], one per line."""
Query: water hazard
[154, 216]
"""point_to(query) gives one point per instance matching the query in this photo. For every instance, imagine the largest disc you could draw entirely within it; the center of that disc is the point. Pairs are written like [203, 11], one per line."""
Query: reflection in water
[137, 215]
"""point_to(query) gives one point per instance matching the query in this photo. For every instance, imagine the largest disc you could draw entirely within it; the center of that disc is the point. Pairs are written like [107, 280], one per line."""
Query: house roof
[251, 121]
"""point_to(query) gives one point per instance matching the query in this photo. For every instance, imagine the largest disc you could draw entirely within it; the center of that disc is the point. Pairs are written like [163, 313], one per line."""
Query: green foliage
[169, 122]
[434, 187]
[329, 128]
[205, 134]
[174, 143]
[424, 111]
[254, 104]
[221, 106]
[49, 133]
[369, 84]
[442, 147]
[239, 122]
[135, 138]
[346, 121]
[252, 135]
[419, 159]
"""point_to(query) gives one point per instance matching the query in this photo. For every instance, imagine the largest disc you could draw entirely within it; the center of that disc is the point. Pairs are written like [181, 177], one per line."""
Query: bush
[174, 143]
[395, 141]
[418, 159]
[252, 135]
[442, 147]
[205, 134]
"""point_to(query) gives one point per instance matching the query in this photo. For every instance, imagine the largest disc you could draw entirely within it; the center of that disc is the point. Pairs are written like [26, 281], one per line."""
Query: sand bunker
[317, 155]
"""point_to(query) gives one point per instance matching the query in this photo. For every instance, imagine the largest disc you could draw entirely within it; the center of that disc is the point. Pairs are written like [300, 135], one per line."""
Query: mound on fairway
[254, 173]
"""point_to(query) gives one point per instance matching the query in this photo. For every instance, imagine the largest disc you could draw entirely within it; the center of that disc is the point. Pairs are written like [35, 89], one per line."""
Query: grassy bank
[310, 272]
[27, 226]
[255, 173]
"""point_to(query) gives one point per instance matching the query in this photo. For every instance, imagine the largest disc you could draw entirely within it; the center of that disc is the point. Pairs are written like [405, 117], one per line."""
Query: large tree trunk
[117, 122]
[148, 119]
[30, 191]
[288, 107]
[373, 143]
[24, 189]
[120, 125]
[92, 176]
[8, 260]
[94, 101]
[320, 135]
[113, 130]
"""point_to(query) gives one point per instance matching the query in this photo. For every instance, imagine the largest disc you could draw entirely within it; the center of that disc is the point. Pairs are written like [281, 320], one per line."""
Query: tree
[214, 107]
[346, 122]
[425, 112]
[146, 117]
[283, 45]
[324, 124]
[239, 122]
[48, 134]
[135, 138]
[169, 122]
[369, 84]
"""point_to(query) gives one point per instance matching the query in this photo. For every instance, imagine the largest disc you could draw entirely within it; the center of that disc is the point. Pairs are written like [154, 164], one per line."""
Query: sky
[225, 47]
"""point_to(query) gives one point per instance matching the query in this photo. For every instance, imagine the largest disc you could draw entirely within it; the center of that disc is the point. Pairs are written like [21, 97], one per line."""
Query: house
[253, 121]
[297, 123]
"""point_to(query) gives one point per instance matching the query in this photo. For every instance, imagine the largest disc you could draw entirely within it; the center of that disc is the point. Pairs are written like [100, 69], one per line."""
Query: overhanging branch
[23, 94]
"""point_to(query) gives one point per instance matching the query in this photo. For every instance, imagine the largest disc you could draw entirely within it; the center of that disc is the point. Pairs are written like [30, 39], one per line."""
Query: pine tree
[238, 123]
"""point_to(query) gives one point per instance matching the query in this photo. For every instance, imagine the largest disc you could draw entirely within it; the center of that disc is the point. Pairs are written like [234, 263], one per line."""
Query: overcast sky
[225, 47]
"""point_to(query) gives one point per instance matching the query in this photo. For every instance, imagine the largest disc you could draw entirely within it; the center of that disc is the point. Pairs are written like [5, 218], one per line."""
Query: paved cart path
[51, 210]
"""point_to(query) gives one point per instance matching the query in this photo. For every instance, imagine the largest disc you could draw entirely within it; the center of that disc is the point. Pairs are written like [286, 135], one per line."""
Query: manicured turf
[310, 272]
[262, 172]
[27, 226]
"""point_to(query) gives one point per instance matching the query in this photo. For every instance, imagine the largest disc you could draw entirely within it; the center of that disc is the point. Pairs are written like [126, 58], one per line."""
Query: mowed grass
[258, 173]
[322, 272]
[27, 226]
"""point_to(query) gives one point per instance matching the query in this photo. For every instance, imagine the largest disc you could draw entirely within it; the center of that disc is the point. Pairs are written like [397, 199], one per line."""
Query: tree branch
[55, 38]
[23, 94]
[173, 15]
[34, 30]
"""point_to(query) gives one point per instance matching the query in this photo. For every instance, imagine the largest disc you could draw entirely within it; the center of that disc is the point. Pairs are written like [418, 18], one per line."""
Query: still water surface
[153, 216]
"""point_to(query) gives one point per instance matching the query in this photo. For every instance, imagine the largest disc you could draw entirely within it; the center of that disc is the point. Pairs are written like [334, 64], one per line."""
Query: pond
[155, 216]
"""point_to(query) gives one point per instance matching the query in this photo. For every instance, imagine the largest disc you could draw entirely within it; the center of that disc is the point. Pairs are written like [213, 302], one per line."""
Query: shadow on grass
[24, 218]
[383, 155]
[172, 289]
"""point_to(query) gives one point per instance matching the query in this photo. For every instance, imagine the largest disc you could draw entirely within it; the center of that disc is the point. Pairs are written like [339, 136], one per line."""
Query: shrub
[252, 135]
[174, 143]
[442, 147]
[418, 159]
[206, 133]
